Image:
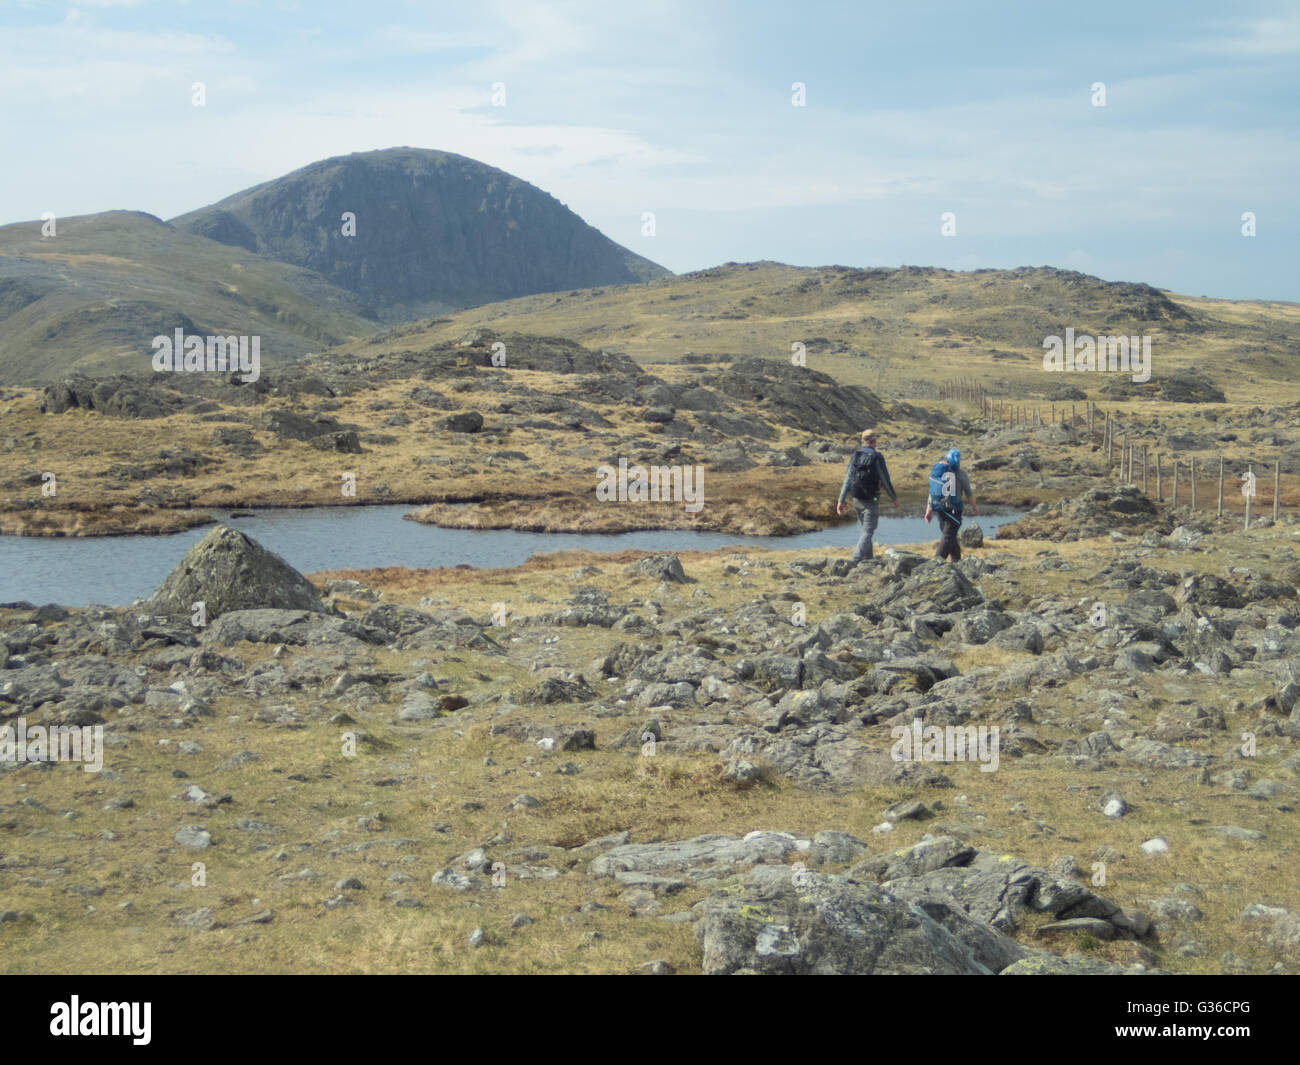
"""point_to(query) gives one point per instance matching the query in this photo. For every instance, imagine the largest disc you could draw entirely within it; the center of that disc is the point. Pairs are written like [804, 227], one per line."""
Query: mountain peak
[417, 231]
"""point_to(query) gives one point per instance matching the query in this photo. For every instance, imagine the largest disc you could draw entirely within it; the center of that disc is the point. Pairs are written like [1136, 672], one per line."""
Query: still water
[115, 570]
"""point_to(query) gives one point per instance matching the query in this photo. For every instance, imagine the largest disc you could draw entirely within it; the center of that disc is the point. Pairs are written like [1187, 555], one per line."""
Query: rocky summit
[433, 231]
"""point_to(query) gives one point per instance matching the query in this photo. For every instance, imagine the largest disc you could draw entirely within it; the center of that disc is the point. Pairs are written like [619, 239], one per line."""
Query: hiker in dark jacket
[949, 485]
[866, 475]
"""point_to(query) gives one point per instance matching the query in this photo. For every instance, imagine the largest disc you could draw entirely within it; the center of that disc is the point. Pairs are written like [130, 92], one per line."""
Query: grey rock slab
[998, 890]
[418, 706]
[1164, 755]
[826, 926]
[593, 847]
[667, 885]
[1072, 965]
[1176, 909]
[835, 848]
[939, 852]
[291, 627]
[1246, 835]
[1093, 926]
[708, 850]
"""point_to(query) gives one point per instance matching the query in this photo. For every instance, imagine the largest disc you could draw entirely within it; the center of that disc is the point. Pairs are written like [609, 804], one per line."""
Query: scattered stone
[907, 811]
[1245, 835]
[449, 878]
[659, 568]
[741, 771]
[195, 837]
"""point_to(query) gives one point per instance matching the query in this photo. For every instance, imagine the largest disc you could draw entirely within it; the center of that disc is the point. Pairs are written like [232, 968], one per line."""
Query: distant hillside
[434, 232]
[92, 297]
[900, 331]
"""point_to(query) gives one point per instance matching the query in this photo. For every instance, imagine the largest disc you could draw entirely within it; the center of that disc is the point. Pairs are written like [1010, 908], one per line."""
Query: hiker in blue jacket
[949, 485]
[866, 474]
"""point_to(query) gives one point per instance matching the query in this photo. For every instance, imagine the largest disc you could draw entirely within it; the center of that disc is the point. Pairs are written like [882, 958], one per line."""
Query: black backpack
[864, 476]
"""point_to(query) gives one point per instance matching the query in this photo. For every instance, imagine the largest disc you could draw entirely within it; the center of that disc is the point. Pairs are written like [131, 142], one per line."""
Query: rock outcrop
[227, 571]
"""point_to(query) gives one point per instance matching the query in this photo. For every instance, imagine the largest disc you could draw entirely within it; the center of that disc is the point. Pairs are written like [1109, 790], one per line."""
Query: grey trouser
[868, 514]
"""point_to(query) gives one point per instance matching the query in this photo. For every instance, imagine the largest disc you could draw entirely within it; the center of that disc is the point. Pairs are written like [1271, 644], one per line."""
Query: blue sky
[684, 109]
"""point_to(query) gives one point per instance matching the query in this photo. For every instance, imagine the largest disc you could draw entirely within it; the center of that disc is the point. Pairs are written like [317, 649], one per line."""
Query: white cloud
[78, 60]
[1254, 37]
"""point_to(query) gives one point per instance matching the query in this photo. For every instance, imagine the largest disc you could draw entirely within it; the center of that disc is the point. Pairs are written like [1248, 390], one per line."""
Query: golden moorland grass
[432, 786]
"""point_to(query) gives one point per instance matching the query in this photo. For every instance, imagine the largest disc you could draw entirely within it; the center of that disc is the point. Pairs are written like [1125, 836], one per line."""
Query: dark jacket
[882, 473]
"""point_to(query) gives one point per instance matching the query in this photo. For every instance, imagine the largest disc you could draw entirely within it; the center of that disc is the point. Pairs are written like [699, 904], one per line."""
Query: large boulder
[227, 571]
[796, 396]
[466, 421]
[933, 588]
[293, 426]
[119, 396]
[801, 922]
[659, 567]
[995, 889]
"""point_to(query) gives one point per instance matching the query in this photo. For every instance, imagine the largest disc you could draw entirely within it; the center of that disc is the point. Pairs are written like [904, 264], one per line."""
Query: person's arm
[884, 478]
[848, 475]
[844, 488]
[966, 488]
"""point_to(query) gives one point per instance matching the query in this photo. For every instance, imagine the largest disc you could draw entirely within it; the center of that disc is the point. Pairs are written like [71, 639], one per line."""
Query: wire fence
[1134, 455]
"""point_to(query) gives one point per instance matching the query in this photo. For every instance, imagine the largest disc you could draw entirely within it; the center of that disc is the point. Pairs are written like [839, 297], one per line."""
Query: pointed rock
[228, 570]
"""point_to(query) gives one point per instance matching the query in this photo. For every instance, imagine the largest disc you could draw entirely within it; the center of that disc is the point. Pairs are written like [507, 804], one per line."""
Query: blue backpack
[945, 491]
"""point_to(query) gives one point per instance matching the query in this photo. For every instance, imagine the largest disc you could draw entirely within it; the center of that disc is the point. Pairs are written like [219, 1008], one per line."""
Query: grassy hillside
[92, 298]
[899, 331]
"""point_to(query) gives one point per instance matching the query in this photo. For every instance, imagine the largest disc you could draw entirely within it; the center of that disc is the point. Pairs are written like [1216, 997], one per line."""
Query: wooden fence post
[1277, 488]
[1160, 491]
[1220, 514]
[1250, 498]
[1144, 469]
[1174, 501]
[1193, 483]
